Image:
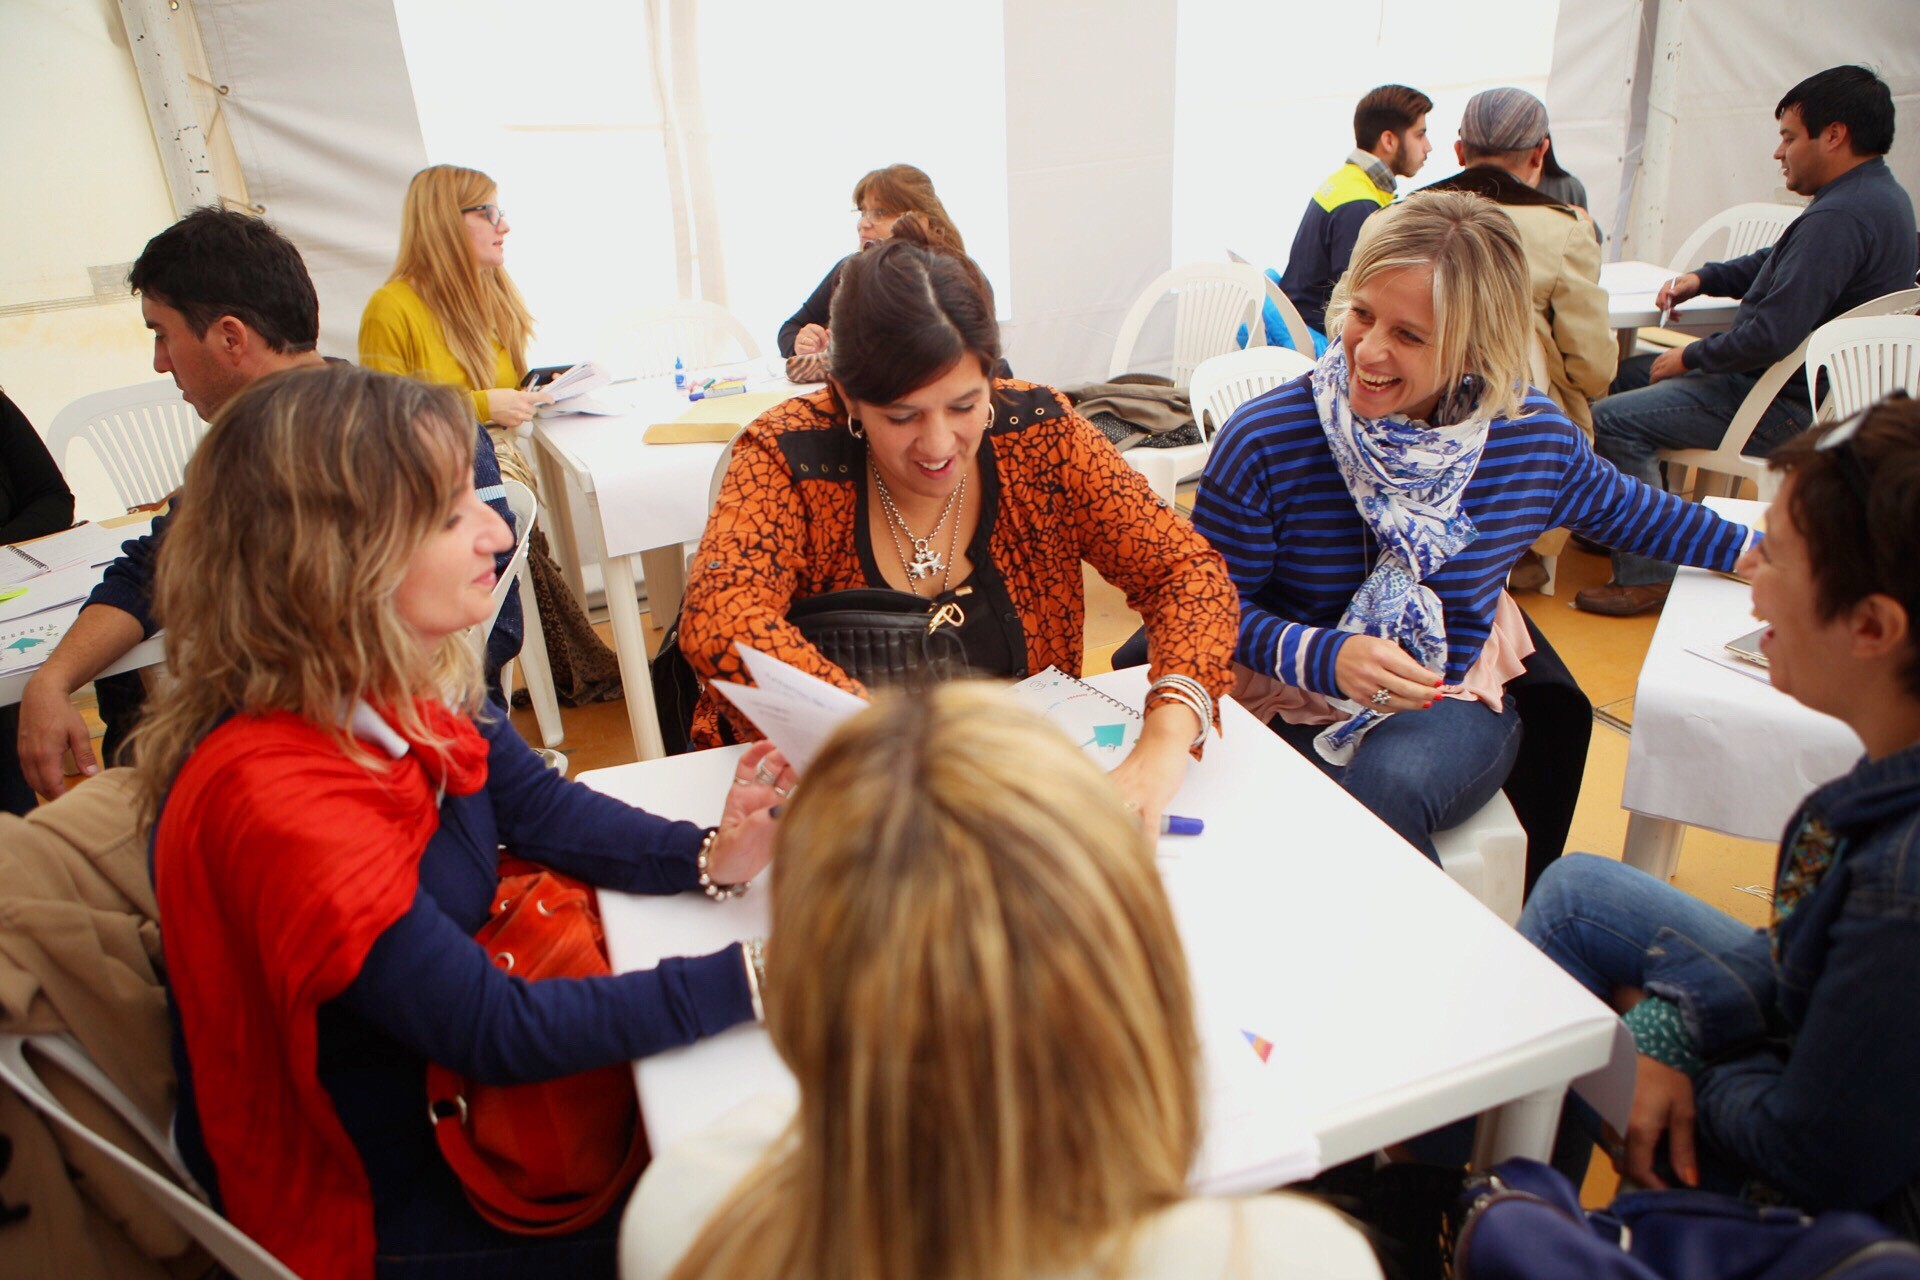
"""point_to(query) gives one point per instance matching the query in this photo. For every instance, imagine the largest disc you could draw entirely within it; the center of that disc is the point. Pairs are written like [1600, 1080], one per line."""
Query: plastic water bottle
[679, 375]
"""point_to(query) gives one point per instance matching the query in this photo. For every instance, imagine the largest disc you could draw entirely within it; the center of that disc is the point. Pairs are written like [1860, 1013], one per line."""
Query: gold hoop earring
[854, 429]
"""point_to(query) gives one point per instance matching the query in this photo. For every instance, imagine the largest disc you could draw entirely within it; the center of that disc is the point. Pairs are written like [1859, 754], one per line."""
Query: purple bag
[1523, 1221]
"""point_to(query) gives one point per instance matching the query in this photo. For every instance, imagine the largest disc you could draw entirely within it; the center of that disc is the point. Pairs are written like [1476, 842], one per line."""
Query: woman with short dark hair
[1785, 1057]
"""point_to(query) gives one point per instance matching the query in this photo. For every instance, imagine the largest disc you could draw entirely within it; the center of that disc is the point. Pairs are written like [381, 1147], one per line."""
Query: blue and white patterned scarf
[1406, 478]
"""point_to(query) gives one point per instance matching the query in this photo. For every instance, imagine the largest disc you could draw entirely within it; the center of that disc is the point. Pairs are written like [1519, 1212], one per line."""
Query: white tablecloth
[648, 495]
[1717, 748]
[1395, 1001]
[1631, 287]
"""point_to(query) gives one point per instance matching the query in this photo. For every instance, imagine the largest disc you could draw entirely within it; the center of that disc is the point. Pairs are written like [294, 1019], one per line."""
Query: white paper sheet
[87, 544]
[26, 642]
[1103, 727]
[796, 711]
[49, 591]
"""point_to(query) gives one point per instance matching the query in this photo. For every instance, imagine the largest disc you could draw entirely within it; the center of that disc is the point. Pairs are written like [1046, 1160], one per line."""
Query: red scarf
[277, 863]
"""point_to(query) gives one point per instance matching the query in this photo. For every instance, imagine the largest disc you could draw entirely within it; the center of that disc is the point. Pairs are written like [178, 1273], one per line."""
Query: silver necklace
[926, 561]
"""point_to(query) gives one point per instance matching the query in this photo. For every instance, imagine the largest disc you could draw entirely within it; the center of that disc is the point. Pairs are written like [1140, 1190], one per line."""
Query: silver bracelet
[1189, 693]
[755, 951]
[708, 885]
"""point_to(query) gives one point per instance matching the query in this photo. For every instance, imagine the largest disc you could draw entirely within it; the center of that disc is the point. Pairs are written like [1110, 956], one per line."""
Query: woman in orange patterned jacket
[915, 470]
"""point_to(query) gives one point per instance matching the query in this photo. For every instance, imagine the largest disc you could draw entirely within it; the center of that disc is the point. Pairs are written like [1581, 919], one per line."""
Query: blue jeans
[1597, 919]
[1424, 771]
[1637, 420]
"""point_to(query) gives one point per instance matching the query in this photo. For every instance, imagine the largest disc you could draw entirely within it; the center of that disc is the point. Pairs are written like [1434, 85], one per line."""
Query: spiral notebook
[1103, 726]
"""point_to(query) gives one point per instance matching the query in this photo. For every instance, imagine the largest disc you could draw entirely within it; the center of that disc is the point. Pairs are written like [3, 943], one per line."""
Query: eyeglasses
[493, 213]
[873, 215]
[1837, 442]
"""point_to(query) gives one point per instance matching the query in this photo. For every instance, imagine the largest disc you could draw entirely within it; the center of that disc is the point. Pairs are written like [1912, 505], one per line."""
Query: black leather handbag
[878, 636]
[884, 637]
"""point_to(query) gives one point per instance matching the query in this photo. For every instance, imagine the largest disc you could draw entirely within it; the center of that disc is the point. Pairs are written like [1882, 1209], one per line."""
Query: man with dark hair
[1854, 243]
[1390, 140]
[229, 301]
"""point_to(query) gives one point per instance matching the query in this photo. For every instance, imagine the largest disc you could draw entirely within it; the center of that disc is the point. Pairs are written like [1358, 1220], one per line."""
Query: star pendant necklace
[925, 561]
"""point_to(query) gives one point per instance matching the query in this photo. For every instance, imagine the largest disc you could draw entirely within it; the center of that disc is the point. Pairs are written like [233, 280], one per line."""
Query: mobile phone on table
[1747, 648]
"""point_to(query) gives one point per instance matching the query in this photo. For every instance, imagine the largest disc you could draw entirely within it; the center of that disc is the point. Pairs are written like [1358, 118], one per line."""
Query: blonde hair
[901, 188]
[1483, 316]
[975, 977]
[276, 581]
[476, 306]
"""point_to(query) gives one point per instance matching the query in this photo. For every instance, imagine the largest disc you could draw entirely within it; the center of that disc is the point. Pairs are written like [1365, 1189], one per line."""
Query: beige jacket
[1569, 307]
[80, 952]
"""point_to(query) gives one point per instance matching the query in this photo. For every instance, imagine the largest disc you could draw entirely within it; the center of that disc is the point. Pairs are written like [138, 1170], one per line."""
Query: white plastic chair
[1487, 856]
[143, 436]
[1213, 299]
[1220, 385]
[1865, 359]
[1728, 457]
[1748, 227]
[228, 1244]
[533, 645]
[698, 334]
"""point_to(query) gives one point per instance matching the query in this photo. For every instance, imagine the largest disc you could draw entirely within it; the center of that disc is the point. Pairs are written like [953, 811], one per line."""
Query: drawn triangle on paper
[1261, 1045]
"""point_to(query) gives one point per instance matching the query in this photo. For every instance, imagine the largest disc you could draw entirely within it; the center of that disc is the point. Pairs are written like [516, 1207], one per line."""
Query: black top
[813, 311]
[34, 498]
[990, 633]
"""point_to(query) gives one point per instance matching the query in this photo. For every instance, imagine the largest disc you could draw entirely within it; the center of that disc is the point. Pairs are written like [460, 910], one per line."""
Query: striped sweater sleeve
[1236, 510]
[1629, 515]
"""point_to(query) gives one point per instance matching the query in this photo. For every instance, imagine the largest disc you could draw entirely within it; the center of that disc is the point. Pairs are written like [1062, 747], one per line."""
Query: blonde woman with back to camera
[997, 1062]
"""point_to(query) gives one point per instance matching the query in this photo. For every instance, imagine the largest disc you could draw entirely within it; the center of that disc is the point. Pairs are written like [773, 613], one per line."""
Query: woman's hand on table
[743, 845]
[1368, 664]
[810, 340]
[511, 408]
[1157, 765]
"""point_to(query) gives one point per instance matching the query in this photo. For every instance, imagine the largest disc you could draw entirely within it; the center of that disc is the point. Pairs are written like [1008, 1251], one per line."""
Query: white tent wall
[88, 191]
[1732, 62]
[1596, 101]
[323, 120]
[1090, 113]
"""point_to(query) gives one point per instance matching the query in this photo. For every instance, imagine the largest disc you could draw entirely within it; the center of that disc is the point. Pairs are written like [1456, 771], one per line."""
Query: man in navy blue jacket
[229, 301]
[1854, 243]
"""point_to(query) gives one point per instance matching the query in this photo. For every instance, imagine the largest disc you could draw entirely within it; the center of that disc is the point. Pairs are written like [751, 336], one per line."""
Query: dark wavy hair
[905, 312]
[1858, 506]
[215, 262]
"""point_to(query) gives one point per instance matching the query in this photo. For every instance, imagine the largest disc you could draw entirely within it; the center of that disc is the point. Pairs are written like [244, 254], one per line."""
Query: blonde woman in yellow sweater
[450, 314]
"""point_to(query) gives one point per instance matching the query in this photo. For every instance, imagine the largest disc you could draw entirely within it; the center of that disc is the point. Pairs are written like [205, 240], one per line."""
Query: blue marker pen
[1174, 825]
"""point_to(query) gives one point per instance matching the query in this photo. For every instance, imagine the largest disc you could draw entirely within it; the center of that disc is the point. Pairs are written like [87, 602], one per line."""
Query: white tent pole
[153, 36]
[690, 124]
[657, 43]
[1656, 154]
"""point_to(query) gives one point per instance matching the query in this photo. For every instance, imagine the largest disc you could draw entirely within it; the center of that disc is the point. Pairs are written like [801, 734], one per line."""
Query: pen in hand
[1174, 825]
[1666, 310]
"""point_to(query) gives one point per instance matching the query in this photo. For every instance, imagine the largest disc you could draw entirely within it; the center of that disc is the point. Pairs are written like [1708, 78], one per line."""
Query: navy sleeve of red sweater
[427, 984]
[431, 987]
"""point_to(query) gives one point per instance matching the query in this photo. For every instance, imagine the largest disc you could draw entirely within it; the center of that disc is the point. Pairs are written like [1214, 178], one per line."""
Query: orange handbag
[541, 1159]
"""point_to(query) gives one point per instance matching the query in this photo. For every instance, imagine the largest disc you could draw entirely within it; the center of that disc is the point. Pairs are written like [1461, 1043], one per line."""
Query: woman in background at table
[450, 314]
[1781, 1061]
[878, 201]
[998, 1067]
[328, 841]
[999, 488]
[1370, 511]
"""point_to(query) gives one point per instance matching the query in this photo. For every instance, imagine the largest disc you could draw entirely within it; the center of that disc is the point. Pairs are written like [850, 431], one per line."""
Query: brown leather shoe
[1616, 601]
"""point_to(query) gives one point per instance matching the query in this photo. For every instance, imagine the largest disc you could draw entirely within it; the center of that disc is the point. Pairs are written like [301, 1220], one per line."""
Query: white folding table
[1396, 1002]
[1713, 746]
[1631, 288]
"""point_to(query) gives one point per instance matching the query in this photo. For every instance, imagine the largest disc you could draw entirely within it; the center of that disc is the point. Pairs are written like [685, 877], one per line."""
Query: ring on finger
[1381, 696]
[763, 775]
[783, 792]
